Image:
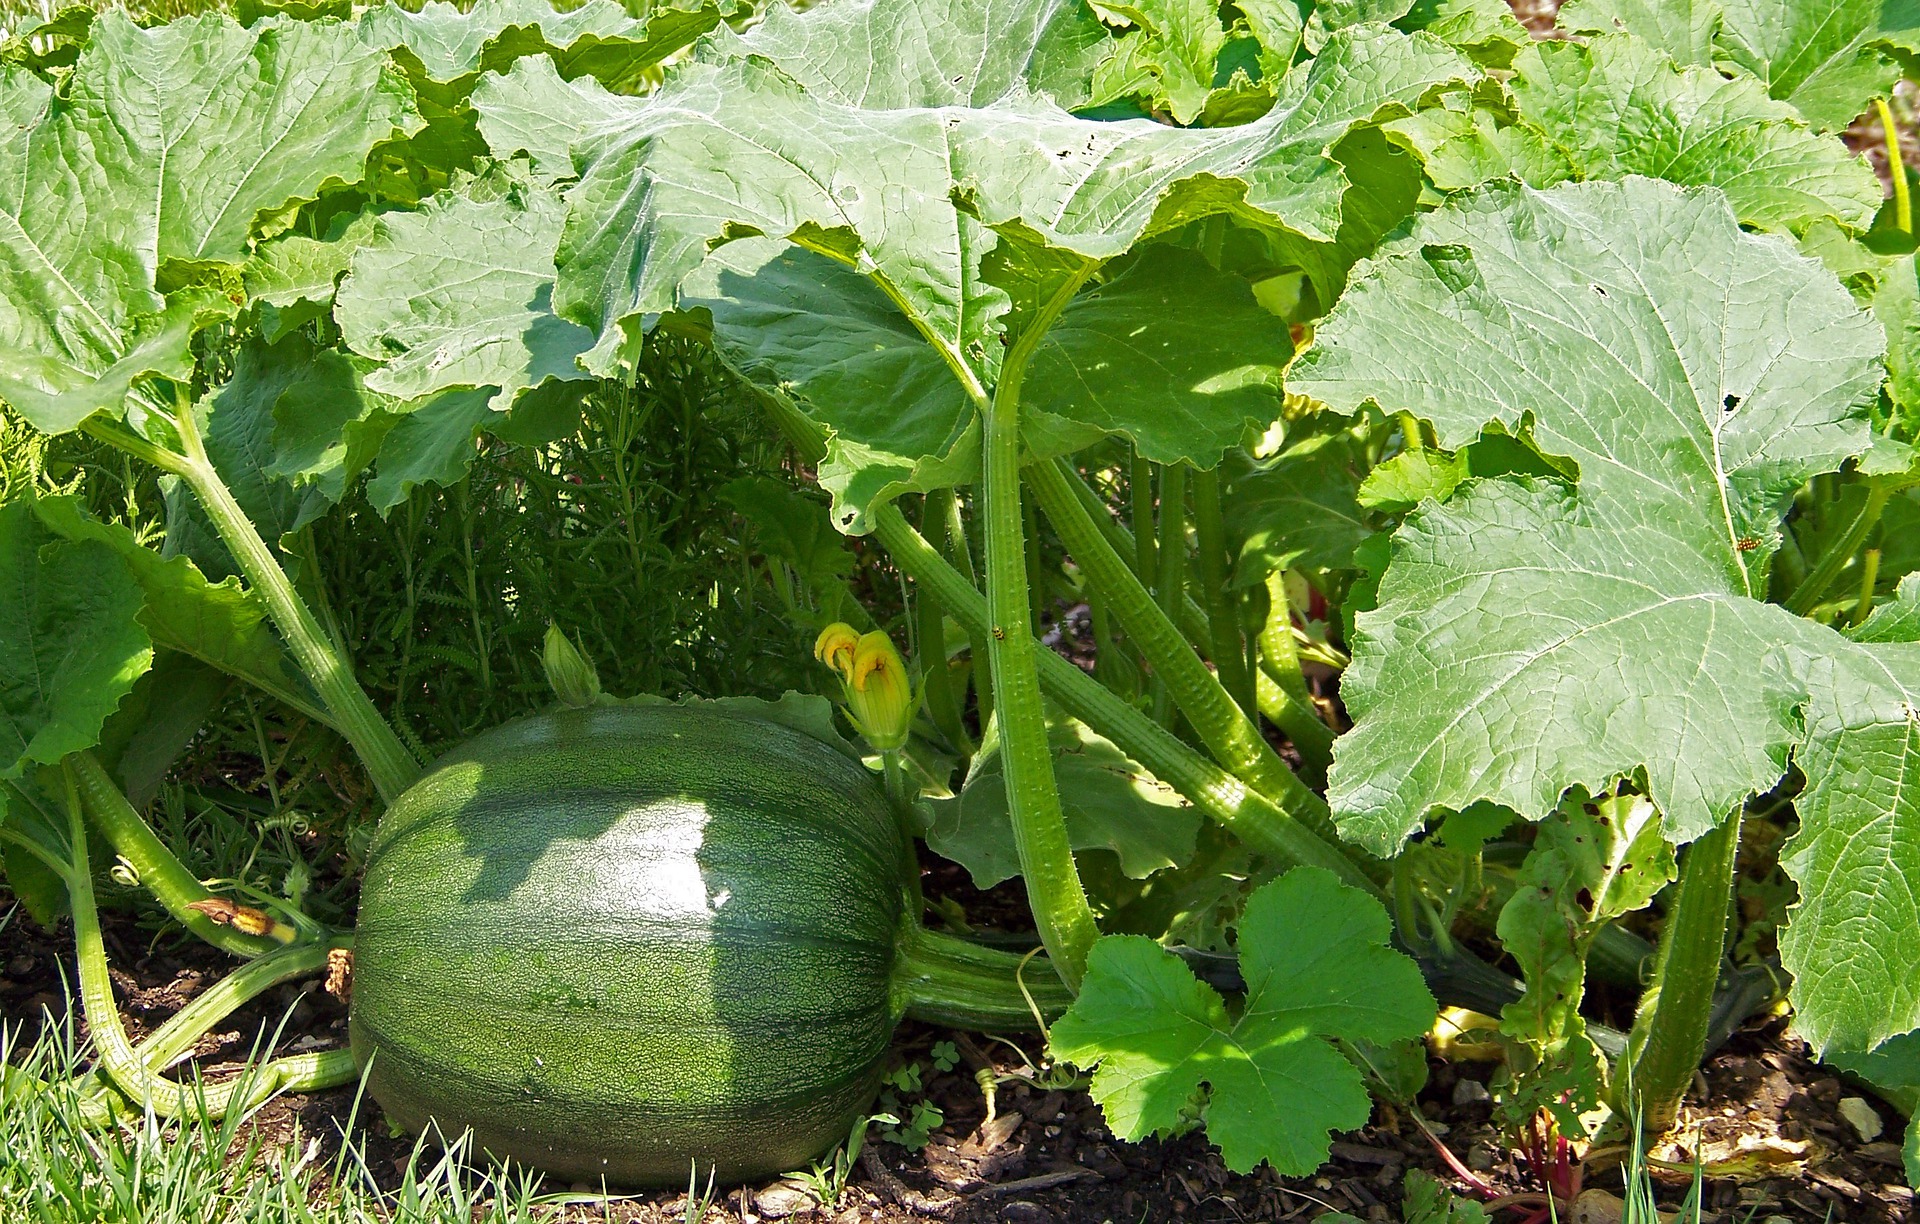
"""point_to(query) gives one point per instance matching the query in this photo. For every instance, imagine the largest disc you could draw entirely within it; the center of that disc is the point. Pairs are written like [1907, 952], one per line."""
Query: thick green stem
[1223, 609]
[1281, 834]
[1222, 726]
[942, 979]
[1059, 903]
[1287, 702]
[160, 872]
[1140, 494]
[127, 1066]
[1169, 586]
[1191, 617]
[1812, 589]
[1267, 829]
[937, 682]
[387, 760]
[1670, 1031]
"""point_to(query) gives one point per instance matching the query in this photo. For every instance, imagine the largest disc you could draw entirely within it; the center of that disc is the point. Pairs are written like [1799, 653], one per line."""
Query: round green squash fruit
[621, 942]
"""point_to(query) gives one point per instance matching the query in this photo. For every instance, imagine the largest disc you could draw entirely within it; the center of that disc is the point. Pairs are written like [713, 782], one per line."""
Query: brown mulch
[1048, 1158]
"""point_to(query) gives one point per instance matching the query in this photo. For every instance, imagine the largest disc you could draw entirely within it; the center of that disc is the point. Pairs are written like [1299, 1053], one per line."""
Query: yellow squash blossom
[880, 697]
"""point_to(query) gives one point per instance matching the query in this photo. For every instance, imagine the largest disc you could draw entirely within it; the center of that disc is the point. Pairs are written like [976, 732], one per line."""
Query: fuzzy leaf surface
[459, 295]
[736, 147]
[1532, 636]
[1317, 965]
[71, 645]
[167, 145]
[442, 44]
[1616, 107]
[1821, 56]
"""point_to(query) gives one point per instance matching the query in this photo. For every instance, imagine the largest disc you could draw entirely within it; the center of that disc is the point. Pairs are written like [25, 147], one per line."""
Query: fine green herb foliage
[1313, 951]
[1523, 432]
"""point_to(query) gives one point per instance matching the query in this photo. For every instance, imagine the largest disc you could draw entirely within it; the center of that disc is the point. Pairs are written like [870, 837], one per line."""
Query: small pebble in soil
[1024, 1212]
[1469, 1092]
[1862, 1117]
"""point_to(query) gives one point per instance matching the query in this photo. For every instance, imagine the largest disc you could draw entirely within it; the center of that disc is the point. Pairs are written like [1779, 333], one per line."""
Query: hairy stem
[1140, 493]
[1283, 835]
[160, 872]
[387, 760]
[943, 979]
[1670, 1030]
[1054, 891]
[1223, 608]
[1284, 697]
[1813, 588]
[1896, 168]
[1222, 726]
[1170, 586]
[128, 1067]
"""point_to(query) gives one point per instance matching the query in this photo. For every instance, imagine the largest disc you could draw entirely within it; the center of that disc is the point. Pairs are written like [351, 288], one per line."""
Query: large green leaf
[166, 145]
[1315, 957]
[736, 147]
[71, 645]
[1110, 803]
[1819, 55]
[1532, 637]
[1169, 58]
[813, 330]
[1816, 54]
[1850, 940]
[444, 45]
[960, 53]
[1616, 106]
[1299, 509]
[1171, 354]
[907, 197]
[1692, 398]
[217, 623]
[1684, 29]
[458, 295]
[531, 110]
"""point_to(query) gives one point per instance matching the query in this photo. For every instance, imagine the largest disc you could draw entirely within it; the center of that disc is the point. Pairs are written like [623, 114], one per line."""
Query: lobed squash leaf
[1317, 964]
[1532, 636]
[166, 146]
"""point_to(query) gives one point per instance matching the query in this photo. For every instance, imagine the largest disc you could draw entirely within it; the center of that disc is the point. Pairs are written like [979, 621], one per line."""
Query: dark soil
[1047, 1157]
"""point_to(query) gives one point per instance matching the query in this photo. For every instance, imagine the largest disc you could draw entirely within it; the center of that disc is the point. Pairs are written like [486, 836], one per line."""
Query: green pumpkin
[619, 942]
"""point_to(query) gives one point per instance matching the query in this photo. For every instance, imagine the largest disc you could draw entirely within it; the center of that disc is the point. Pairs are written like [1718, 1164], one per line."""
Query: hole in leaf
[1599, 289]
[1731, 402]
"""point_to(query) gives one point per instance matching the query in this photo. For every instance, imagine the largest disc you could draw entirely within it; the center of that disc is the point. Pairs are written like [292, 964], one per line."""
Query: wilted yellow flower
[835, 647]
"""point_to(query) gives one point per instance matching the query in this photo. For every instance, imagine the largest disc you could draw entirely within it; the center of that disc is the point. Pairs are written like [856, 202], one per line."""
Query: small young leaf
[1315, 957]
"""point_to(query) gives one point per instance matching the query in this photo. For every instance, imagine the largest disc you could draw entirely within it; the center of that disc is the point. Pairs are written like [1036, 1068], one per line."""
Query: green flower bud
[570, 676]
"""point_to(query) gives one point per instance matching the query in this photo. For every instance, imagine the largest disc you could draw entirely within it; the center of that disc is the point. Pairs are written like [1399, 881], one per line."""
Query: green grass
[54, 1171]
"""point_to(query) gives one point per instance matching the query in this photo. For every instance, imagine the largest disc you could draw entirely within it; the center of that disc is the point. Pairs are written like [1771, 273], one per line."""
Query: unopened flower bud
[569, 674]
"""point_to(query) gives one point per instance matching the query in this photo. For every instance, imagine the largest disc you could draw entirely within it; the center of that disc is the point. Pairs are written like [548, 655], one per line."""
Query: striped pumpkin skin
[615, 941]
